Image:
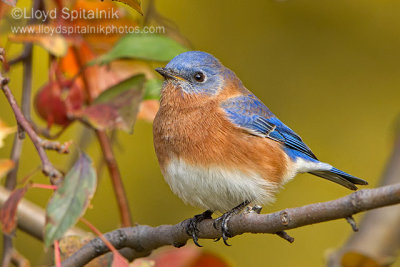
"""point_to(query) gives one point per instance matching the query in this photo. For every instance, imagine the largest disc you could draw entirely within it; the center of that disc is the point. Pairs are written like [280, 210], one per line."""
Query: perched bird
[220, 148]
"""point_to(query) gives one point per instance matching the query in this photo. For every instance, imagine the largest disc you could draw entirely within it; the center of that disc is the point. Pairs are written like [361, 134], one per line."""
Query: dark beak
[168, 73]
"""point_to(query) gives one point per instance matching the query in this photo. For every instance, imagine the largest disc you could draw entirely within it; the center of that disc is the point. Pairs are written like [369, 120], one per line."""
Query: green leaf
[152, 89]
[70, 200]
[150, 47]
[117, 107]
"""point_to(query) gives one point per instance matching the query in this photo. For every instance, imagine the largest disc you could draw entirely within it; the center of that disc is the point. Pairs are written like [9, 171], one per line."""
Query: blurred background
[329, 70]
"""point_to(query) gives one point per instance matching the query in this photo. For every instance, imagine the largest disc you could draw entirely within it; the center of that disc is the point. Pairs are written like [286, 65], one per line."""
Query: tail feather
[340, 177]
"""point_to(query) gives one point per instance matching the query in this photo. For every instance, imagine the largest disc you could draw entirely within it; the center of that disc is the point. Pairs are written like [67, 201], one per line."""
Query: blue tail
[340, 177]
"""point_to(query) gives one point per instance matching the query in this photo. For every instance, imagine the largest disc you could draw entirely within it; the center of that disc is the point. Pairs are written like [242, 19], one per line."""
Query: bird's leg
[191, 226]
[224, 219]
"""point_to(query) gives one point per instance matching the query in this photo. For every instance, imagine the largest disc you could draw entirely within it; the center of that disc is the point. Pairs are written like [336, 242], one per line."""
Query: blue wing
[248, 112]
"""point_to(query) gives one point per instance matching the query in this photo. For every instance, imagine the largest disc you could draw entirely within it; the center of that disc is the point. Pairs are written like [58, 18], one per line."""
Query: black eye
[199, 76]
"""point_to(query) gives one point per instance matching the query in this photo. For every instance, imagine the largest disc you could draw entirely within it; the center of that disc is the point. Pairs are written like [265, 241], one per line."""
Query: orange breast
[194, 128]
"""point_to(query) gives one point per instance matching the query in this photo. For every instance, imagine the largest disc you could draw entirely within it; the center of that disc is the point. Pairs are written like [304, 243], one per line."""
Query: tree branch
[11, 179]
[143, 239]
[47, 168]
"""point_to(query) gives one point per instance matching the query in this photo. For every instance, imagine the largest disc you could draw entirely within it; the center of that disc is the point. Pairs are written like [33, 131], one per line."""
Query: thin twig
[47, 168]
[285, 236]
[56, 146]
[11, 179]
[26, 53]
[144, 239]
[352, 223]
[116, 179]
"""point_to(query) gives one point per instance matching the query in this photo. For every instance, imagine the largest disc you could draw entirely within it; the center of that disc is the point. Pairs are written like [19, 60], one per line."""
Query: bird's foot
[224, 219]
[191, 226]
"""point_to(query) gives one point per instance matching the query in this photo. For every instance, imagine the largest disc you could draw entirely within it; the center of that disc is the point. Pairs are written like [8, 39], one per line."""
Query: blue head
[195, 72]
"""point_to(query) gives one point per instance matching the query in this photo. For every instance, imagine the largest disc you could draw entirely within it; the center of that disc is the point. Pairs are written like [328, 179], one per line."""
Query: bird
[220, 148]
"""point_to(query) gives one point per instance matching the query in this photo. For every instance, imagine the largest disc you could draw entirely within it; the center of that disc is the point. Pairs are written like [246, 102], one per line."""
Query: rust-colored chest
[188, 126]
[195, 129]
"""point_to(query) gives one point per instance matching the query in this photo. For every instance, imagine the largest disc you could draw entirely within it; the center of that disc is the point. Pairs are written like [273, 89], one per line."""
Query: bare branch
[47, 168]
[11, 180]
[143, 239]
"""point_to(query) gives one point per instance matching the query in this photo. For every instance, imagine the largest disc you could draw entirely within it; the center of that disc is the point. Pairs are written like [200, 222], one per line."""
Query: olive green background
[328, 69]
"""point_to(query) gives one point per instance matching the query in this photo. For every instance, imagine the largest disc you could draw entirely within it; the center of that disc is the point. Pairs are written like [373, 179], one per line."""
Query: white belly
[216, 188]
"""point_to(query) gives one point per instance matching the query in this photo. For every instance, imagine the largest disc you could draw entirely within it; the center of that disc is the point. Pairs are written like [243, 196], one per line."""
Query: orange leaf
[356, 259]
[56, 44]
[5, 166]
[3, 9]
[116, 18]
[8, 213]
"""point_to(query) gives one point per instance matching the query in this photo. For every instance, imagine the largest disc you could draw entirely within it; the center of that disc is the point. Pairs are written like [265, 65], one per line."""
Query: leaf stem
[116, 179]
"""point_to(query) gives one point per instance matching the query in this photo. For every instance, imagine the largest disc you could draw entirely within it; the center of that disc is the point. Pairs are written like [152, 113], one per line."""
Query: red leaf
[8, 213]
[116, 107]
[188, 256]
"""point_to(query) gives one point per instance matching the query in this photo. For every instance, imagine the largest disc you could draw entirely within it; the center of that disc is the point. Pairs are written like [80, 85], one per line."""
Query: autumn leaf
[116, 107]
[188, 256]
[97, 40]
[70, 200]
[5, 166]
[135, 4]
[8, 213]
[354, 259]
[4, 131]
[56, 44]
[4, 8]
[150, 47]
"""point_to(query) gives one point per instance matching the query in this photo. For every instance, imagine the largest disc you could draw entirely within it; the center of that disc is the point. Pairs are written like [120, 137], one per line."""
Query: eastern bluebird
[219, 147]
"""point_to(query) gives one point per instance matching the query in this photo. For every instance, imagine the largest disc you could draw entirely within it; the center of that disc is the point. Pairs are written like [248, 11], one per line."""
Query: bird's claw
[191, 226]
[224, 219]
